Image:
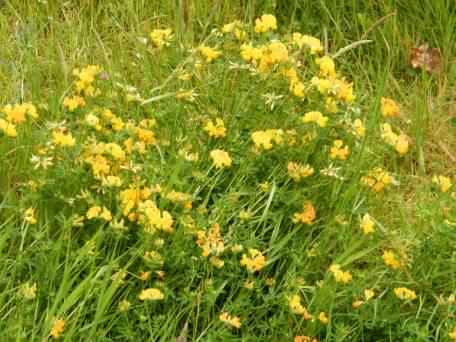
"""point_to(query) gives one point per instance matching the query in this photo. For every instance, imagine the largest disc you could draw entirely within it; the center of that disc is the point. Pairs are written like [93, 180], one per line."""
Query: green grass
[84, 272]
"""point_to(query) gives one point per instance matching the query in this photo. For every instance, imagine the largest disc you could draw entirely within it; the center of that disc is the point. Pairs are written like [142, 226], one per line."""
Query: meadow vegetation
[227, 171]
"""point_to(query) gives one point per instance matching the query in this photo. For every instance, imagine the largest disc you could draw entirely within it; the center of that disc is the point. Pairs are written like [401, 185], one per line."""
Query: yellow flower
[112, 181]
[124, 305]
[57, 328]
[399, 142]
[314, 44]
[327, 66]
[377, 179]
[8, 128]
[359, 128]
[161, 38]
[29, 216]
[106, 214]
[404, 293]
[209, 53]
[215, 131]
[274, 53]
[323, 318]
[321, 84]
[369, 294]
[443, 182]
[93, 212]
[220, 159]
[297, 171]
[331, 105]
[27, 290]
[296, 307]
[254, 261]
[154, 219]
[250, 53]
[340, 276]
[228, 28]
[339, 152]
[389, 107]
[144, 275]
[297, 89]
[63, 139]
[211, 242]
[16, 114]
[264, 139]
[216, 261]
[307, 216]
[390, 260]
[452, 334]
[72, 103]
[265, 23]
[316, 117]
[230, 320]
[367, 224]
[151, 294]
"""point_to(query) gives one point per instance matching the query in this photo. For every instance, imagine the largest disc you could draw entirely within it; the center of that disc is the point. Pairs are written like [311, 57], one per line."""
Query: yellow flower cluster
[367, 224]
[236, 28]
[233, 321]
[86, 78]
[63, 138]
[307, 215]
[389, 107]
[217, 130]
[314, 44]
[99, 212]
[264, 139]
[220, 159]
[343, 277]
[151, 294]
[29, 216]
[297, 308]
[153, 219]
[211, 242]
[404, 293]
[338, 150]
[443, 182]
[266, 23]
[74, 102]
[209, 53]
[265, 56]
[297, 171]
[161, 37]
[57, 328]
[391, 260]
[377, 179]
[315, 117]
[399, 142]
[16, 115]
[254, 261]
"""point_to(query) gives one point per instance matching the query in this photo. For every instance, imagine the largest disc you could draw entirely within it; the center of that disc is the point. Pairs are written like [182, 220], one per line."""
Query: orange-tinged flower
[57, 328]
[254, 261]
[389, 107]
[307, 216]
